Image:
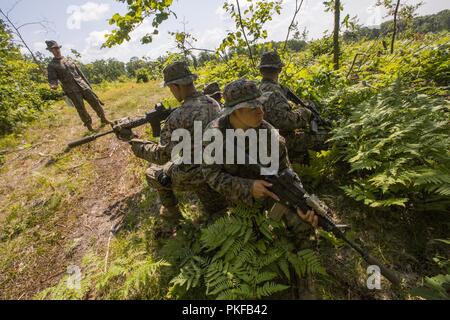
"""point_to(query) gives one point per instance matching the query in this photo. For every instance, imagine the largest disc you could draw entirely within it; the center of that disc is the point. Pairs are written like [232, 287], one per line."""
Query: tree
[335, 7]
[294, 25]
[396, 9]
[138, 12]
[19, 94]
[249, 24]
[16, 30]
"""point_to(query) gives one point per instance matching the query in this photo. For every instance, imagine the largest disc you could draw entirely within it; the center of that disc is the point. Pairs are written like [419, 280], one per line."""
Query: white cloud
[39, 46]
[211, 38]
[123, 52]
[90, 11]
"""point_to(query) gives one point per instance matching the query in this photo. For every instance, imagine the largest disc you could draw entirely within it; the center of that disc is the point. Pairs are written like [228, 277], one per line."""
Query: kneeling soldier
[165, 175]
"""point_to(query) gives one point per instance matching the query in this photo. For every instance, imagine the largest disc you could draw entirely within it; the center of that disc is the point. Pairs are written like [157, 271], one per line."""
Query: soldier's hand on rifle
[260, 190]
[122, 133]
[309, 217]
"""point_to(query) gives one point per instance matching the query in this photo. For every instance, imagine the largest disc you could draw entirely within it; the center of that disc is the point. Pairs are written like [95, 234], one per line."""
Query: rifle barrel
[84, 140]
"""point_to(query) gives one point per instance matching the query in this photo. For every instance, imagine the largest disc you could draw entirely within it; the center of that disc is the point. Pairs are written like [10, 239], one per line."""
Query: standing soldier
[280, 114]
[165, 175]
[74, 84]
[213, 90]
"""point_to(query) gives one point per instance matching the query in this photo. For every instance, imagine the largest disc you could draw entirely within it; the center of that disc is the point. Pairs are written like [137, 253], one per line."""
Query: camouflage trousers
[298, 230]
[185, 179]
[88, 95]
[298, 144]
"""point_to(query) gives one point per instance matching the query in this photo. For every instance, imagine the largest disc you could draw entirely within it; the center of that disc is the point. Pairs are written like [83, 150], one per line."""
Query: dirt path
[87, 184]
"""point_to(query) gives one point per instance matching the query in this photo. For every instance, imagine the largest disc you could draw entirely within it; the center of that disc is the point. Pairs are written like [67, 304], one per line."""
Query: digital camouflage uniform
[234, 181]
[213, 90]
[279, 112]
[184, 177]
[75, 85]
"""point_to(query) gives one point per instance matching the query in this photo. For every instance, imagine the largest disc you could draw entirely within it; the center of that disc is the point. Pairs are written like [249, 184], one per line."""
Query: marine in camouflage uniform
[75, 85]
[279, 112]
[165, 175]
[213, 90]
[236, 181]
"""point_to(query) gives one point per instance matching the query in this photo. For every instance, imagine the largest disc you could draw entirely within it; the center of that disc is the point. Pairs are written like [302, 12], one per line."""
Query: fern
[397, 146]
[249, 262]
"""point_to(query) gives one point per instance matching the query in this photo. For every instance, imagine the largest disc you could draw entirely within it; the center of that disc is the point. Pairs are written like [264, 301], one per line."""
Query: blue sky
[81, 24]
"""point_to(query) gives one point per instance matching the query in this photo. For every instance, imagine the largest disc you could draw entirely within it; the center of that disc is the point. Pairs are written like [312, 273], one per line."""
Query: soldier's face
[56, 51]
[176, 91]
[250, 117]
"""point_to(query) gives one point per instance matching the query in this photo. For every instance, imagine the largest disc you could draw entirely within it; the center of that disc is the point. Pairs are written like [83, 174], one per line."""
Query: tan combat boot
[169, 221]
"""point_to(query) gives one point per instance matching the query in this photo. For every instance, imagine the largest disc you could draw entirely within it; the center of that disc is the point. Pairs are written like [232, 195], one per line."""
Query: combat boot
[89, 127]
[169, 221]
[105, 122]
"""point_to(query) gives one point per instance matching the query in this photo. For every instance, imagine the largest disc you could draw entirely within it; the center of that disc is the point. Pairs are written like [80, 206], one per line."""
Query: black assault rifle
[154, 117]
[289, 189]
[316, 120]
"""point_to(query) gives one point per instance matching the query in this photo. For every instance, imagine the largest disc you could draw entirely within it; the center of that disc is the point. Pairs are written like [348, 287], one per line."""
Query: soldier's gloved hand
[309, 217]
[122, 133]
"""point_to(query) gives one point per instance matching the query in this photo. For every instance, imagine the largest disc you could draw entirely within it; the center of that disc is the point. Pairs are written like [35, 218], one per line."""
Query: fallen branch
[353, 63]
[107, 251]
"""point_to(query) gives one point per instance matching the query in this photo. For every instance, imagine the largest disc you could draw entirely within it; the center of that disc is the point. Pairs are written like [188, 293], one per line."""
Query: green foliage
[142, 75]
[249, 23]
[20, 100]
[244, 255]
[138, 11]
[131, 276]
[104, 70]
[397, 144]
[436, 287]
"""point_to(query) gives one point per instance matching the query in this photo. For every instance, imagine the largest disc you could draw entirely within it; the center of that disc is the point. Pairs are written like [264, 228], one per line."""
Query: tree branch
[395, 26]
[297, 10]
[13, 6]
[243, 32]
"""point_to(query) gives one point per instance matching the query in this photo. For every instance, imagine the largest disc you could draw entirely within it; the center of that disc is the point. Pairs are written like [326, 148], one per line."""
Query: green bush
[397, 146]
[19, 95]
[244, 255]
[142, 75]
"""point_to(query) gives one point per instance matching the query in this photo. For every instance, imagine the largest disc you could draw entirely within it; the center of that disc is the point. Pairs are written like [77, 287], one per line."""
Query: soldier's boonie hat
[212, 89]
[242, 93]
[52, 44]
[271, 60]
[178, 73]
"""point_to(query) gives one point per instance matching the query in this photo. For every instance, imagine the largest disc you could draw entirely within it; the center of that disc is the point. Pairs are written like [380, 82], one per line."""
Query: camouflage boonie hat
[178, 73]
[52, 44]
[212, 89]
[271, 60]
[242, 93]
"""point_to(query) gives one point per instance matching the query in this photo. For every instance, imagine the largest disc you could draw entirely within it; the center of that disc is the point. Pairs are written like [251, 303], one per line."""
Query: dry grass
[55, 206]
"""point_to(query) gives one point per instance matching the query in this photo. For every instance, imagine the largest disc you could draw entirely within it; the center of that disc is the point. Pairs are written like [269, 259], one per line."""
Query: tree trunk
[245, 36]
[395, 26]
[337, 14]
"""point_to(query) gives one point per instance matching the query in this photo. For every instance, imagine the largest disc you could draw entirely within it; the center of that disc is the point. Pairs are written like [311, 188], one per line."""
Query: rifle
[288, 188]
[316, 119]
[154, 117]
